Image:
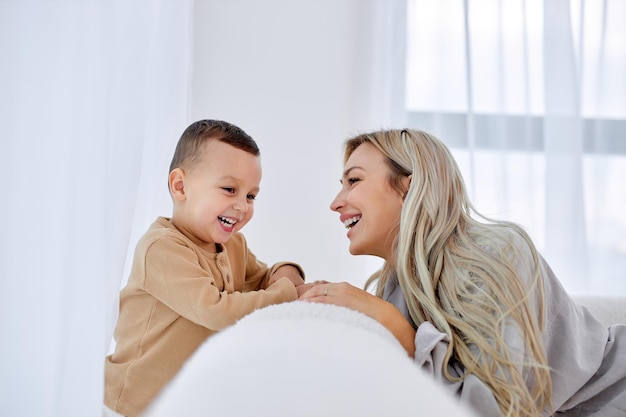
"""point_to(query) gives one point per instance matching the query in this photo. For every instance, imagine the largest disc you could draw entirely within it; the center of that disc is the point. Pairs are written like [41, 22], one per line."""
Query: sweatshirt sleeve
[184, 286]
[430, 350]
[257, 272]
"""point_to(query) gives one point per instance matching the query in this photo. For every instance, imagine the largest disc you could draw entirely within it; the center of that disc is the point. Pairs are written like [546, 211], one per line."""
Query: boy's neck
[213, 248]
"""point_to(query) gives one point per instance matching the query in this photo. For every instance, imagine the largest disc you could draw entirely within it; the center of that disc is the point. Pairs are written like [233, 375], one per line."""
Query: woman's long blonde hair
[467, 277]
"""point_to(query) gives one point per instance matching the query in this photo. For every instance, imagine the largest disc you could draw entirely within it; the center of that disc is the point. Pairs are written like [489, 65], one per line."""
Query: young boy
[193, 274]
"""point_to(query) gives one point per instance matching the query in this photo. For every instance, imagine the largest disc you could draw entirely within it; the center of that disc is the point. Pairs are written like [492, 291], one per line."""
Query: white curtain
[94, 95]
[531, 96]
[91, 94]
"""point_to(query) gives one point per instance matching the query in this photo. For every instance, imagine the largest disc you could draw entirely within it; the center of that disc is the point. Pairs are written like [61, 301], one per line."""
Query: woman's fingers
[316, 290]
[341, 293]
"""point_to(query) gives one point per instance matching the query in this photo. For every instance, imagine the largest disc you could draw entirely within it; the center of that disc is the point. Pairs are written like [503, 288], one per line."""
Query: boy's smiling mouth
[228, 222]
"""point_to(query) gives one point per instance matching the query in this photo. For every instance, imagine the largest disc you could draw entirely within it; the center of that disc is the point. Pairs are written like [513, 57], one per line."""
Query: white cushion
[609, 310]
[308, 360]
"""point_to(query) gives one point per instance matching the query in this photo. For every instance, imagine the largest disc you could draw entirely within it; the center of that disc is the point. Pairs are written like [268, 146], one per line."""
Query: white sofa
[314, 360]
[608, 310]
[306, 360]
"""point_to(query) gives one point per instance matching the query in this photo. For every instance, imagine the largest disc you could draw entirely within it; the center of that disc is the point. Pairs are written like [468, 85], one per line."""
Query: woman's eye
[353, 181]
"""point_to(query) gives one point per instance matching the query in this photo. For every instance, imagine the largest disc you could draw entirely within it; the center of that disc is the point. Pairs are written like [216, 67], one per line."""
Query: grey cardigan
[588, 360]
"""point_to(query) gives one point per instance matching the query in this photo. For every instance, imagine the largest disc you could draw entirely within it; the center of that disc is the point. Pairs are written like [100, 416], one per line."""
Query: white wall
[291, 73]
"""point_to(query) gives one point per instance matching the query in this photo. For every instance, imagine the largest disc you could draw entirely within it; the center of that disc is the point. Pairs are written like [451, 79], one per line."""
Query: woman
[468, 297]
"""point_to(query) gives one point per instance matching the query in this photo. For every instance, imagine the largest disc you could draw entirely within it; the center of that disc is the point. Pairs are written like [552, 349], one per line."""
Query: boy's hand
[304, 288]
[288, 271]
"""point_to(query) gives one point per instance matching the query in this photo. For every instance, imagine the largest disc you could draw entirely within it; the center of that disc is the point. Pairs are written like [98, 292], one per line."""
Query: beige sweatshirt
[176, 297]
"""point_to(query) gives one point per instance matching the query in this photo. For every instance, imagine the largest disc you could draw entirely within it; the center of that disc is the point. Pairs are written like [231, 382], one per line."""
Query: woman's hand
[303, 288]
[346, 295]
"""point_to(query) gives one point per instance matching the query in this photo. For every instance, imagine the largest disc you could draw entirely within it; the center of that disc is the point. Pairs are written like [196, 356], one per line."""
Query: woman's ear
[177, 184]
[406, 183]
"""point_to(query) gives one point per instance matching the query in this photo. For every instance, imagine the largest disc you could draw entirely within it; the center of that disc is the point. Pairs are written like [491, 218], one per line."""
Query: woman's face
[368, 206]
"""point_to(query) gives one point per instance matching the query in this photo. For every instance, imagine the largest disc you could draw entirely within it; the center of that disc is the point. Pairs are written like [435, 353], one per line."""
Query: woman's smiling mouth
[350, 222]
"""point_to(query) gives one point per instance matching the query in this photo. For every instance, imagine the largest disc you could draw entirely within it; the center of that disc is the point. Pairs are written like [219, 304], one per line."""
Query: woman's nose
[338, 202]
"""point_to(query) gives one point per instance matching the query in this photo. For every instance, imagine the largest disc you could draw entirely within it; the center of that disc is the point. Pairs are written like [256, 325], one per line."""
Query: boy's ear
[177, 184]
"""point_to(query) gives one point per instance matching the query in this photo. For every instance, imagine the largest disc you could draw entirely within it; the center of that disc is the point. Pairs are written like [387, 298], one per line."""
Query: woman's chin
[352, 250]
[356, 250]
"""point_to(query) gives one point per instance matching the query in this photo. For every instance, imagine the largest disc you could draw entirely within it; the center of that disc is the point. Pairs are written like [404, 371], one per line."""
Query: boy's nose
[241, 206]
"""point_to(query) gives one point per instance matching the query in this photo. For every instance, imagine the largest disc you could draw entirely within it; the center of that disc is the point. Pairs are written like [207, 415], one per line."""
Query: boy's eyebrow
[235, 179]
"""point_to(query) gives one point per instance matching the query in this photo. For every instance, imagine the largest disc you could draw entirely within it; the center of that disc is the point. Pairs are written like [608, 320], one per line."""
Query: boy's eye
[230, 190]
[251, 197]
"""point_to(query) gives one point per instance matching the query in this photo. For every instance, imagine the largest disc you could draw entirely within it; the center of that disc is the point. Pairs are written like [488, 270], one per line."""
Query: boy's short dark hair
[187, 152]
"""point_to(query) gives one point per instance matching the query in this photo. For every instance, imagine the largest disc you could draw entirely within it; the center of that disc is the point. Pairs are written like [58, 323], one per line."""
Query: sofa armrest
[609, 310]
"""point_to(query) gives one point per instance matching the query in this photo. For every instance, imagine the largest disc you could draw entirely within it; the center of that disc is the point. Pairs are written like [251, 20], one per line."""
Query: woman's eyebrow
[347, 171]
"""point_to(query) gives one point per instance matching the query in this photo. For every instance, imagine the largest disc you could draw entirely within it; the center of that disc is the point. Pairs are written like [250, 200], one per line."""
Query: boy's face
[217, 196]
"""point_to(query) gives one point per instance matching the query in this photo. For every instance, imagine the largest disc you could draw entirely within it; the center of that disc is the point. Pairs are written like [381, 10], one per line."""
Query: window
[531, 98]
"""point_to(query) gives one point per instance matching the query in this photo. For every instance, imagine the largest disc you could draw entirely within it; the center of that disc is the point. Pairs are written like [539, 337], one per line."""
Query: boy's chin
[225, 237]
[223, 240]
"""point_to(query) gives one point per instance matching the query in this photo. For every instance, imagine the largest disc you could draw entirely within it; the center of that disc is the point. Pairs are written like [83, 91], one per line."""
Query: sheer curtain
[94, 95]
[91, 91]
[531, 96]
